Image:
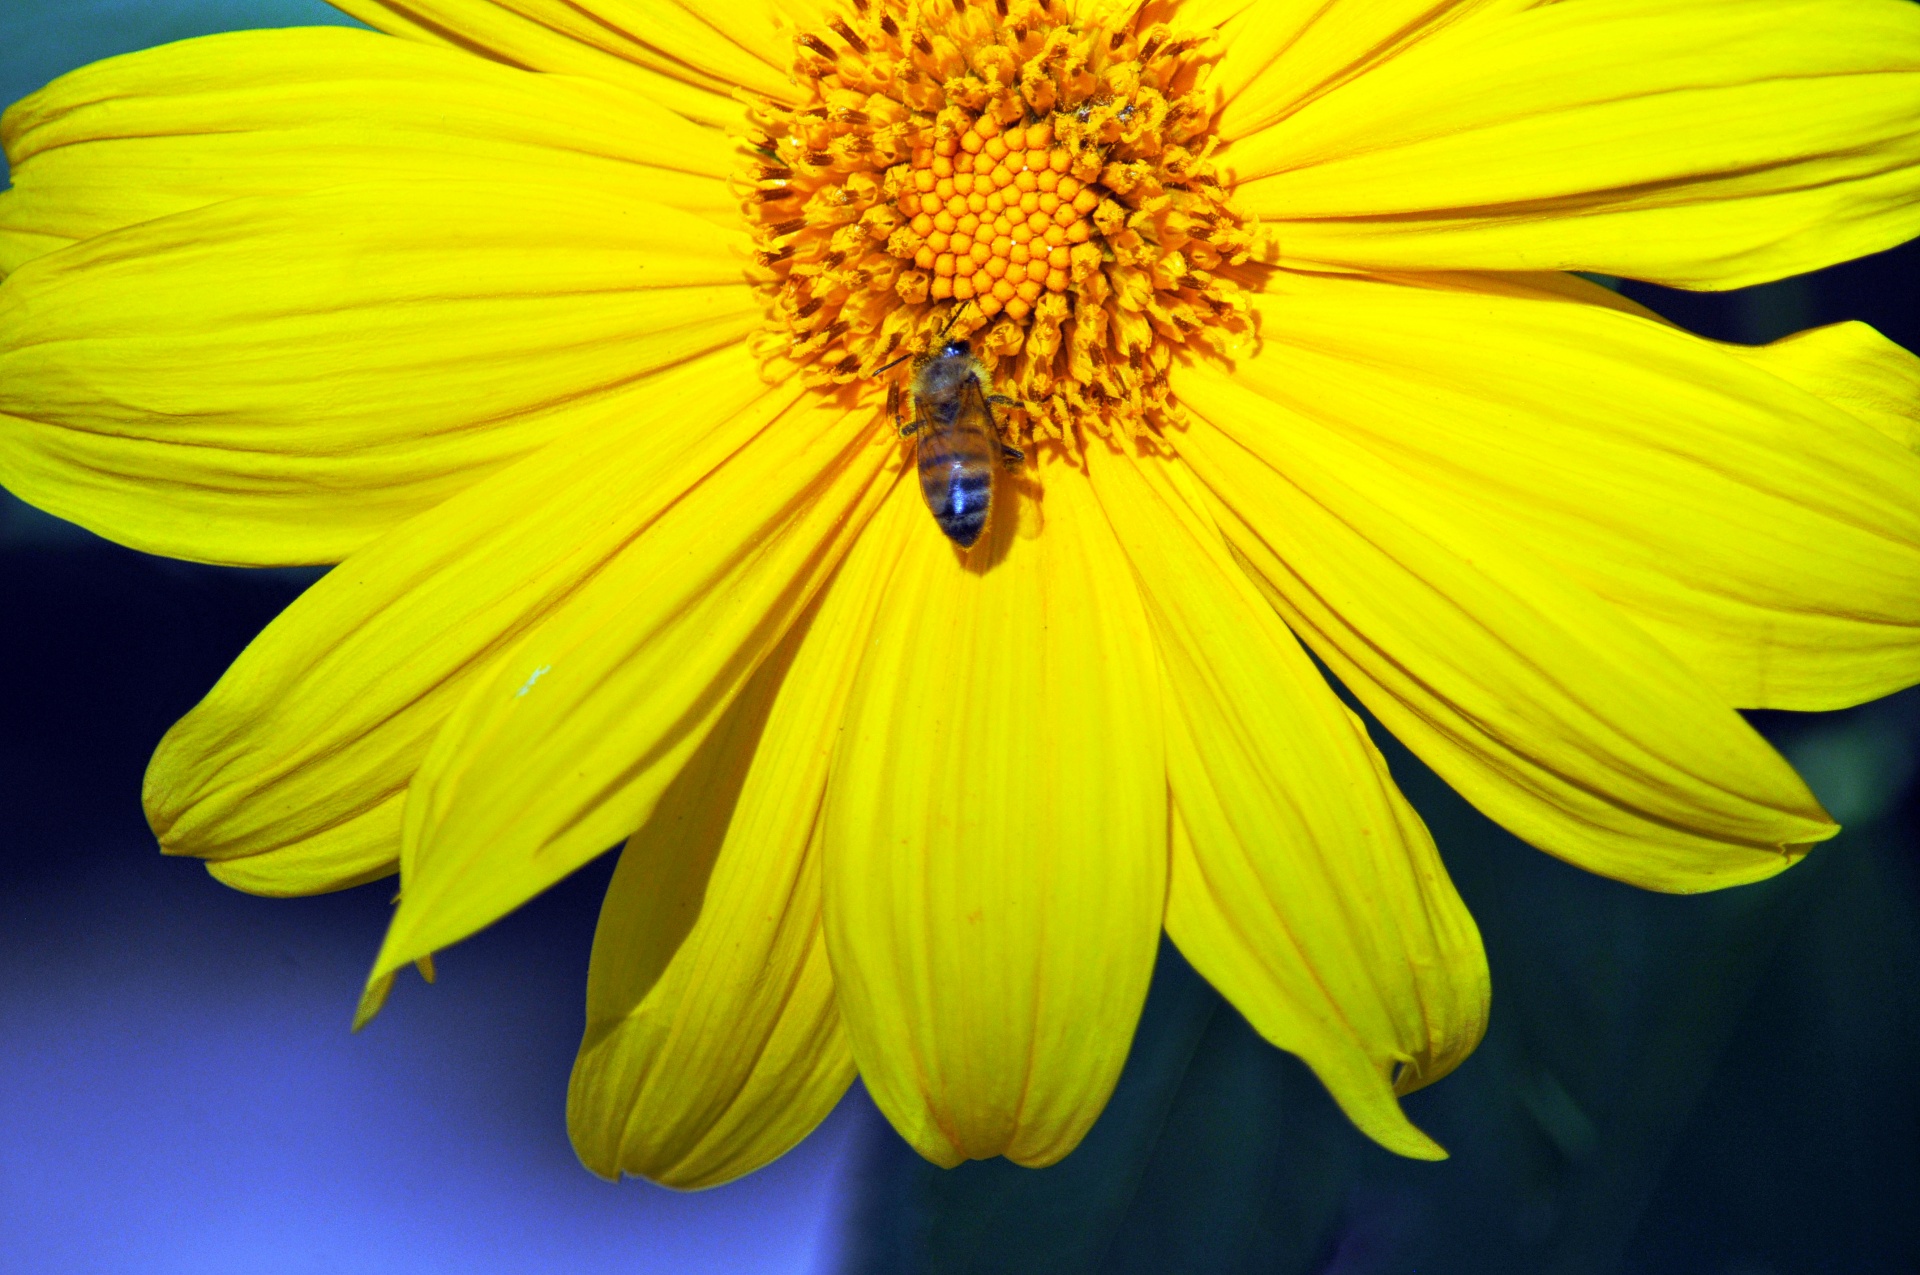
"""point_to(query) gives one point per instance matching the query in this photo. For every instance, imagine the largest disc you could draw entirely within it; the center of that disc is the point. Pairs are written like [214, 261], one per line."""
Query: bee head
[956, 349]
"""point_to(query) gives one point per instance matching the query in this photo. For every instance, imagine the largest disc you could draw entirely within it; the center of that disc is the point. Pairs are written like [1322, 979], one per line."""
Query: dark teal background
[1717, 1085]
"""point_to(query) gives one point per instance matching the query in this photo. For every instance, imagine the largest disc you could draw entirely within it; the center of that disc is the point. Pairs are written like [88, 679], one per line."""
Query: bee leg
[907, 428]
[1011, 457]
[1002, 400]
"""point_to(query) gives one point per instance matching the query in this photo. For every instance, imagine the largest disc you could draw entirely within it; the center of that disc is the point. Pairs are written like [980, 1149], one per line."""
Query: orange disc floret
[1021, 159]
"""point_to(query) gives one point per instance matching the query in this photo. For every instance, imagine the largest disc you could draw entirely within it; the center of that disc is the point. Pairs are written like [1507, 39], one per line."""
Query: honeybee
[956, 437]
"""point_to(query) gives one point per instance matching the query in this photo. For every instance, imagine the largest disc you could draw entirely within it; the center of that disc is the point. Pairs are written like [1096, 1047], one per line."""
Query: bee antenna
[955, 316]
[952, 319]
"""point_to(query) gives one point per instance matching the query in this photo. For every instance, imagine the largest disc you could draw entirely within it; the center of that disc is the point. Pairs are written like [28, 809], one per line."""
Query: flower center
[999, 215]
[1038, 183]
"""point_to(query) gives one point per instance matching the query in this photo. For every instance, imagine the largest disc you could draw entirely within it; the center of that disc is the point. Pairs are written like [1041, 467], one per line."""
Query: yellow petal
[997, 832]
[564, 747]
[1857, 370]
[280, 379]
[282, 112]
[686, 56]
[292, 772]
[1539, 702]
[1761, 535]
[713, 1042]
[363, 848]
[1699, 143]
[1210, 14]
[1304, 886]
[1280, 54]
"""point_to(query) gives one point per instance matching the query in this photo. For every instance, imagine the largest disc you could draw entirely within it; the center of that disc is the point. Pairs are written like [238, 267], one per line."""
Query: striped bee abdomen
[956, 478]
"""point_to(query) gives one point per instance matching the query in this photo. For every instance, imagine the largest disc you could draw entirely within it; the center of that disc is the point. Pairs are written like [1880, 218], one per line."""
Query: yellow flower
[559, 328]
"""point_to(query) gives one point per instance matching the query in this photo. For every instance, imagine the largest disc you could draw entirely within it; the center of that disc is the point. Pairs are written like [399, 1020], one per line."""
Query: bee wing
[975, 412]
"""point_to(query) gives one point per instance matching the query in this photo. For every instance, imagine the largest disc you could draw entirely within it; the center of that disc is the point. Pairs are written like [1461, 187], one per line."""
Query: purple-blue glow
[179, 1093]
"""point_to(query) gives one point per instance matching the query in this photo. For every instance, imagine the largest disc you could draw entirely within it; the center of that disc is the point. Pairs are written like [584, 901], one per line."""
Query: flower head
[1045, 177]
[569, 334]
